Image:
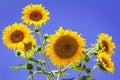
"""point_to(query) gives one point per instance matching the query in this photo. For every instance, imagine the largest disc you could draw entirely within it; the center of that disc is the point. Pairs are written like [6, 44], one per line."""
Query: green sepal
[29, 51]
[19, 66]
[100, 66]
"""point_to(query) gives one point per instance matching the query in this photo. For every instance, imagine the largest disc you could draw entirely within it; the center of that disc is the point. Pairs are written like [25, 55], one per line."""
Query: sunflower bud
[88, 70]
[29, 66]
[36, 30]
[38, 68]
[30, 58]
[46, 36]
[18, 53]
[39, 48]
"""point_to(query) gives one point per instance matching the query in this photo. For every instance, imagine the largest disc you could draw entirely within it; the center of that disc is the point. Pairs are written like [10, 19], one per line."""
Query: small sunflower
[65, 47]
[106, 43]
[27, 46]
[15, 34]
[35, 14]
[105, 62]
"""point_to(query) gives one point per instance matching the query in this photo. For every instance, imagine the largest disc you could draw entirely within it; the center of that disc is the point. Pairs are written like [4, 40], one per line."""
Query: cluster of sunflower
[66, 48]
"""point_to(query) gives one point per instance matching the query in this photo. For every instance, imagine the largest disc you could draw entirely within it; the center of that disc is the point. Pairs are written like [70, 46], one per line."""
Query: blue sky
[88, 17]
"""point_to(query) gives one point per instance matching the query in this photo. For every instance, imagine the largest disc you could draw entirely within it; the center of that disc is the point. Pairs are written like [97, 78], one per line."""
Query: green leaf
[87, 57]
[34, 60]
[55, 73]
[18, 66]
[84, 78]
[76, 66]
[41, 62]
[62, 74]
[39, 49]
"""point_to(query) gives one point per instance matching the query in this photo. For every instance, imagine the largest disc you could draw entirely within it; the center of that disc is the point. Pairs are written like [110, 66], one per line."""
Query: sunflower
[106, 43]
[15, 34]
[105, 62]
[35, 14]
[27, 48]
[65, 47]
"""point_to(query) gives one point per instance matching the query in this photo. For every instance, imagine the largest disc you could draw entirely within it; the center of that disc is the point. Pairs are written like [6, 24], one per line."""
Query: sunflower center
[35, 16]
[104, 60]
[105, 45]
[17, 36]
[65, 46]
[28, 46]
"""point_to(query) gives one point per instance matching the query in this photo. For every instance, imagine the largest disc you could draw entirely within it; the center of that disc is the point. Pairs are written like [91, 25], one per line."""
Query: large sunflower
[35, 14]
[106, 43]
[14, 35]
[27, 48]
[65, 47]
[105, 62]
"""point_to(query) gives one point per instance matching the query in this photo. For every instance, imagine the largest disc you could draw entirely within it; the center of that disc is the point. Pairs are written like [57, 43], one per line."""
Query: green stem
[32, 76]
[43, 47]
[68, 66]
[94, 68]
[79, 75]
[59, 75]
[39, 56]
[91, 50]
[26, 57]
[28, 62]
